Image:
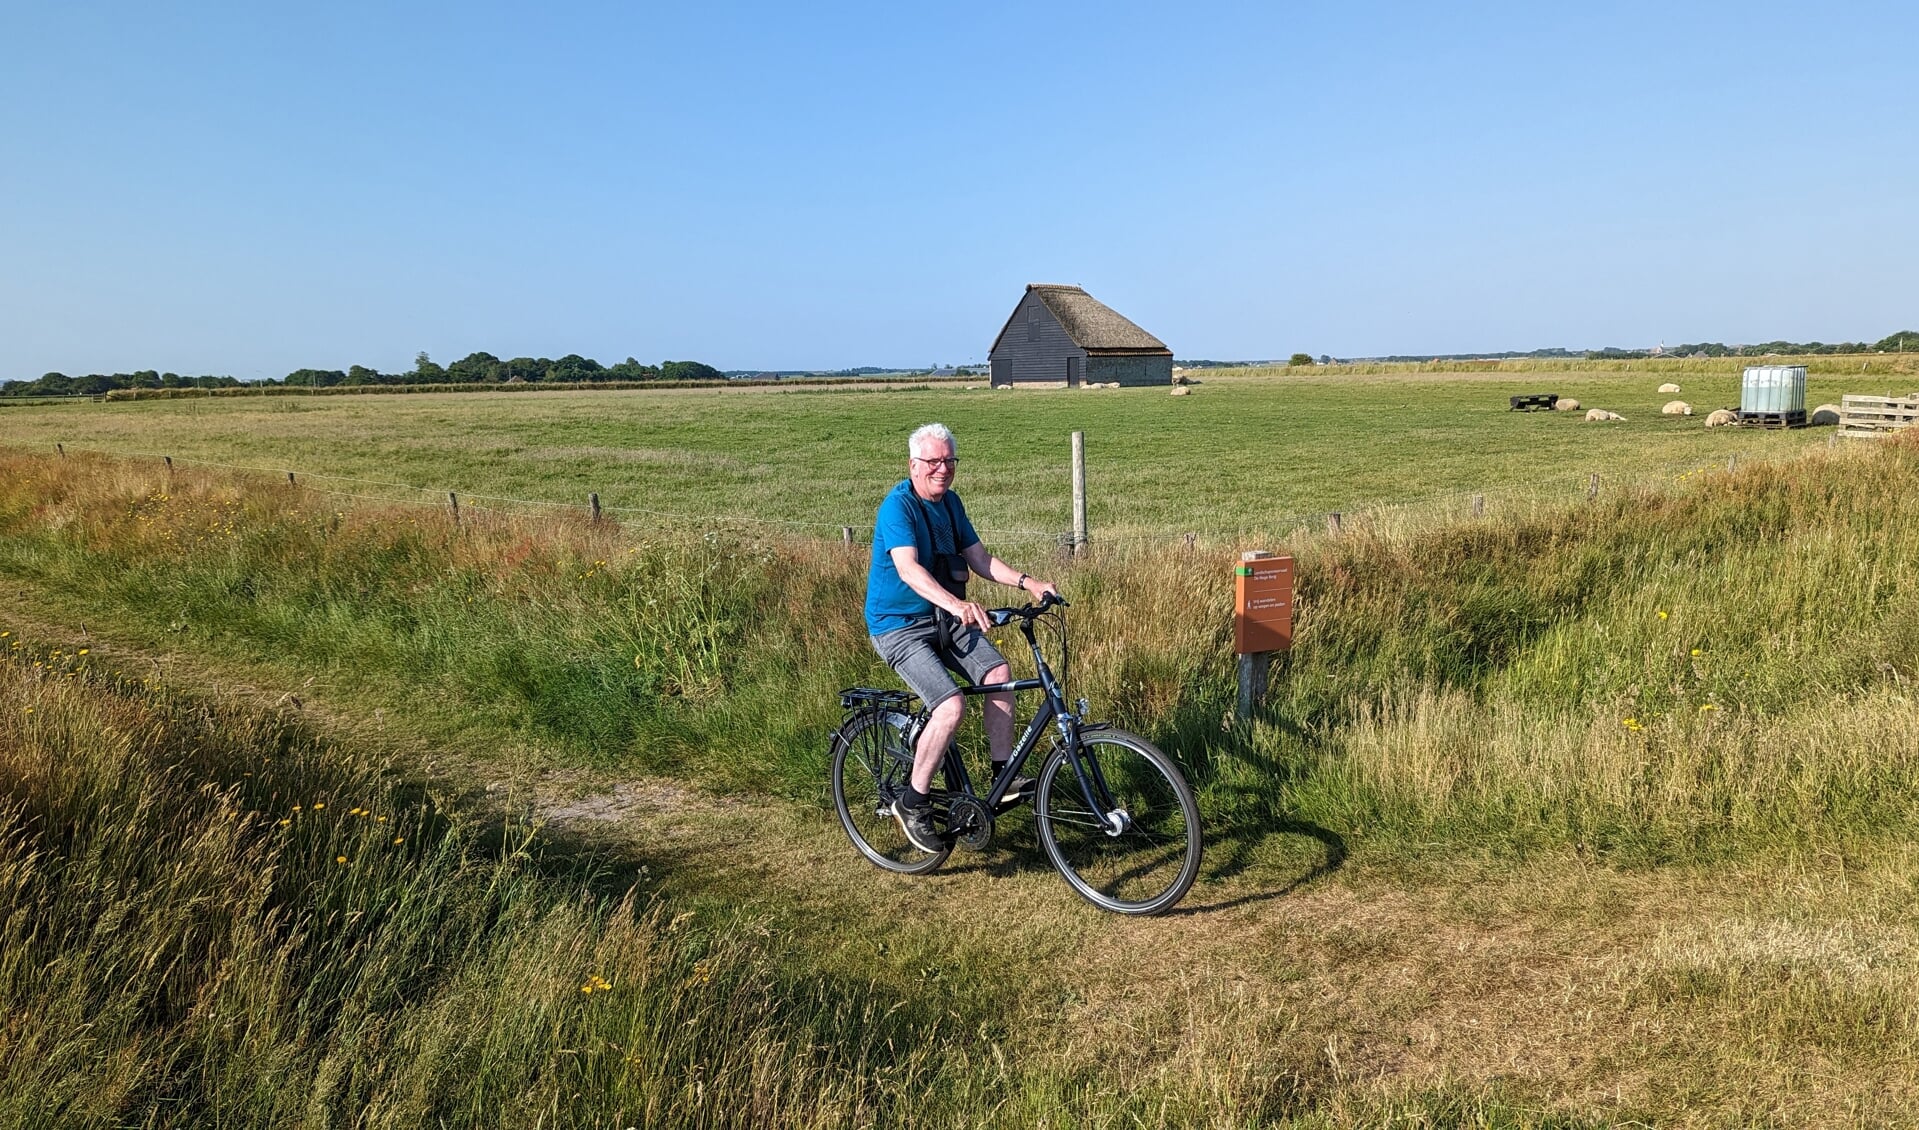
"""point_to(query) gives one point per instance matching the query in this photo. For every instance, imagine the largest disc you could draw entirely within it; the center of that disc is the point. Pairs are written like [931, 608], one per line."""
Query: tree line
[1905, 341]
[474, 368]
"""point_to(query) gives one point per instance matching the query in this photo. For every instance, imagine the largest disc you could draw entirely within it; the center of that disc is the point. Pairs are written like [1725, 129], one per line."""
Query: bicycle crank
[969, 823]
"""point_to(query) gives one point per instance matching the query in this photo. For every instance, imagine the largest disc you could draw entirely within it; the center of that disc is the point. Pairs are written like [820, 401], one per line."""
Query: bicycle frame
[1052, 712]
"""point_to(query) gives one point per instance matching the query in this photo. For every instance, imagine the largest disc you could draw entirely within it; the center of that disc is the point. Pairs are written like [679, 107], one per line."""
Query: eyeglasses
[949, 463]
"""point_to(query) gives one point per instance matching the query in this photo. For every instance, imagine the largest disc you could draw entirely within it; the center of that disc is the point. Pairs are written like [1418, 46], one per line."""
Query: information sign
[1263, 604]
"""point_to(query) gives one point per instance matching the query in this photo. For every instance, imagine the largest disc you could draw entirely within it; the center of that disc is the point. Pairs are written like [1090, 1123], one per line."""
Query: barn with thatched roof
[1061, 334]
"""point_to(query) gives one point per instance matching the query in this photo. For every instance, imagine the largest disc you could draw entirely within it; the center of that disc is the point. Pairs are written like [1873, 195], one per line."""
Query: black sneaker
[917, 823]
[1018, 788]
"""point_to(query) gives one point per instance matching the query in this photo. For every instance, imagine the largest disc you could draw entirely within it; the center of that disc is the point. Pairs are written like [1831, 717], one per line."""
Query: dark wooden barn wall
[1135, 370]
[1035, 347]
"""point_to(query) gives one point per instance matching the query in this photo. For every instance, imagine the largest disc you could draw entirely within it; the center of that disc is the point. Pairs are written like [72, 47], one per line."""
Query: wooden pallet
[1869, 417]
[1772, 419]
[1532, 402]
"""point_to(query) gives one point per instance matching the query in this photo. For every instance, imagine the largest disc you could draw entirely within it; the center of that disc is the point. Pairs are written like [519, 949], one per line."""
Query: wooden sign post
[1262, 621]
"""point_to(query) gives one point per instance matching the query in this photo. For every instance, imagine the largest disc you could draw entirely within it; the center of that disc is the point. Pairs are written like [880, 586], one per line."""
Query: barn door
[1072, 372]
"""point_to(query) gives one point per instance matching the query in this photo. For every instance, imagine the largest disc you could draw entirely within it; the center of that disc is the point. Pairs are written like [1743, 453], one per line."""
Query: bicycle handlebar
[1004, 616]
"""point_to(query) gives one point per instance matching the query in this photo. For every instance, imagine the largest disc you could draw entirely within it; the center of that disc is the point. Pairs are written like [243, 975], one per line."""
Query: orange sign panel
[1263, 605]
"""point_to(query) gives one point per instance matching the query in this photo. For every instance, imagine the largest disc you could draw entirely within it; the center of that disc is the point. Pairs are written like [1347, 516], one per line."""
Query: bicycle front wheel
[872, 762]
[1135, 851]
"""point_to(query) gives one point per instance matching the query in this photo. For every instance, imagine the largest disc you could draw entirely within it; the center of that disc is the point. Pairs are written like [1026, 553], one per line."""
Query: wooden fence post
[593, 506]
[1079, 491]
[1479, 506]
[1192, 540]
[1592, 487]
[453, 504]
[61, 448]
[1732, 463]
[1333, 523]
[1255, 671]
[846, 536]
[290, 478]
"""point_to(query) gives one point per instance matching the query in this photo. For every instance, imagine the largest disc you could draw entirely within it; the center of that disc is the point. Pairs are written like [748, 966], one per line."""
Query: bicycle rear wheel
[871, 763]
[1139, 856]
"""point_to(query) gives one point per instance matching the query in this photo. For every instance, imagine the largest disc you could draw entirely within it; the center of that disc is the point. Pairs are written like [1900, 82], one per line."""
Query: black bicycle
[1114, 814]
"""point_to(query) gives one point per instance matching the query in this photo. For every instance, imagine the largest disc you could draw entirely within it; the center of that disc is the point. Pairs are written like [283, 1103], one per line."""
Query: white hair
[933, 432]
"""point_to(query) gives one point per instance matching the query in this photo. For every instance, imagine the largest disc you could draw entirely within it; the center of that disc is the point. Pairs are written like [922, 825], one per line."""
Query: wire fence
[1387, 516]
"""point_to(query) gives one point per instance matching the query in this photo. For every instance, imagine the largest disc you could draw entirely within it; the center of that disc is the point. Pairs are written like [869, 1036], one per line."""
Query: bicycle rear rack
[875, 698]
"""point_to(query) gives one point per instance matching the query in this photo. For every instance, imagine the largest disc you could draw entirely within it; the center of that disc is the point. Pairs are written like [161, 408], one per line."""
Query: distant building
[1061, 334]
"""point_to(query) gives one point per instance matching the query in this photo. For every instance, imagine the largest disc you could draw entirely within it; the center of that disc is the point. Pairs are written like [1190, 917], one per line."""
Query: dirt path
[1554, 980]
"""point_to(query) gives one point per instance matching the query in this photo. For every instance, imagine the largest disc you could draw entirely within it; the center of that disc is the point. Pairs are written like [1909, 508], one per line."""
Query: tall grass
[207, 918]
[1670, 673]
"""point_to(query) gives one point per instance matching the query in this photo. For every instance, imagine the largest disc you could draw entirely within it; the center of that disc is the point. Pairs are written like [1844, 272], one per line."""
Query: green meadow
[1246, 454]
[1567, 813]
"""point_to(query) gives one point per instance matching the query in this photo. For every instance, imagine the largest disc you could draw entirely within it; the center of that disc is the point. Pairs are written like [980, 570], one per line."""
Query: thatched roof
[1091, 324]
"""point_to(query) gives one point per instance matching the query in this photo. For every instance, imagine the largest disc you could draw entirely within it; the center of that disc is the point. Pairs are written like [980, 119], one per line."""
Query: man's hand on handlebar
[972, 614]
[1039, 590]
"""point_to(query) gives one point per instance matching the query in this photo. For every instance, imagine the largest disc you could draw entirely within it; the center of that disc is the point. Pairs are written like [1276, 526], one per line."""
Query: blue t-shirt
[929, 527]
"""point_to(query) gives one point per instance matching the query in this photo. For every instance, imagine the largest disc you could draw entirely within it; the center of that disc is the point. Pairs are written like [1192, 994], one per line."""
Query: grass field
[1573, 814]
[1247, 454]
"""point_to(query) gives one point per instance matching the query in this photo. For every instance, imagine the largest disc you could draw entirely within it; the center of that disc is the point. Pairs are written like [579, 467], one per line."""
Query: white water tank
[1773, 389]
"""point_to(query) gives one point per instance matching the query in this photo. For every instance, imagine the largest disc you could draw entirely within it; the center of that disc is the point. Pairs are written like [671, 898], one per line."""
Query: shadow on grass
[1241, 848]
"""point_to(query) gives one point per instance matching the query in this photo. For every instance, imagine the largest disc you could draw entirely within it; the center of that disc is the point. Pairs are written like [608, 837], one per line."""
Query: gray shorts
[922, 652]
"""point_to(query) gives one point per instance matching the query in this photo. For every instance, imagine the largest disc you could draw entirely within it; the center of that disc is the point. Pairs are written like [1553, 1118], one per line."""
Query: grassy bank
[1669, 674]
[211, 918]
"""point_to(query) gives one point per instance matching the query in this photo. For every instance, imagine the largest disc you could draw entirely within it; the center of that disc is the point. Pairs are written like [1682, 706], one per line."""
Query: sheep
[1825, 414]
[1565, 404]
[1676, 408]
[1721, 418]
[1668, 387]
[1601, 416]
[1182, 390]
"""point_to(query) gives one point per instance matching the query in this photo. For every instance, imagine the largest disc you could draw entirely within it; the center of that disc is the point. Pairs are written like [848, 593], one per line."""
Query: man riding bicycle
[922, 624]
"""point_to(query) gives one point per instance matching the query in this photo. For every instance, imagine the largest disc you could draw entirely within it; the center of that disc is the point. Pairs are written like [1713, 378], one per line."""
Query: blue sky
[253, 188]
